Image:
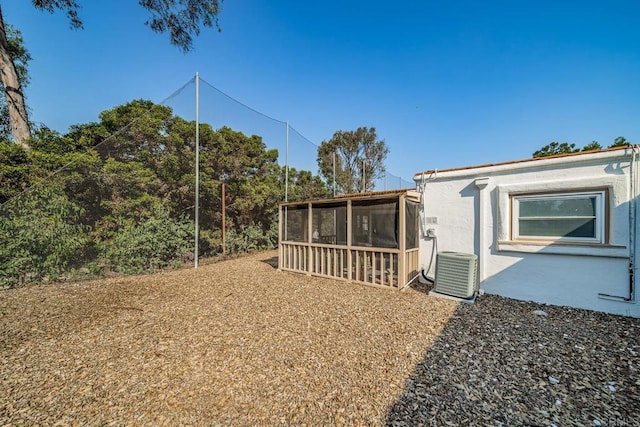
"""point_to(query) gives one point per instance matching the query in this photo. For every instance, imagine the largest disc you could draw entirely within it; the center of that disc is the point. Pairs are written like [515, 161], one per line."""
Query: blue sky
[445, 83]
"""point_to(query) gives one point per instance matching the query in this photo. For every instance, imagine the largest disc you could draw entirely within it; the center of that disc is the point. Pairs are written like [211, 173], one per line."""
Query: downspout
[633, 229]
[481, 184]
[633, 223]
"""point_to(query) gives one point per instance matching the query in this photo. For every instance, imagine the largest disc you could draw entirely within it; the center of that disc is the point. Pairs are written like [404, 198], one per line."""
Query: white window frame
[600, 216]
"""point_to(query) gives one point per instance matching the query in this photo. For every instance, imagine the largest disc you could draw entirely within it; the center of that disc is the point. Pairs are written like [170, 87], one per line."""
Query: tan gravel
[240, 343]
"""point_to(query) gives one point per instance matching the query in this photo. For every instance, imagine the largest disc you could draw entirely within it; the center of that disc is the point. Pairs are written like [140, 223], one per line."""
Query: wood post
[402, 260]
[349, 254]
[280, 246]
[310, 238]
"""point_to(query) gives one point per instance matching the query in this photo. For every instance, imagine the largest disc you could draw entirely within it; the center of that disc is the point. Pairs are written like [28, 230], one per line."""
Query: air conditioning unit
[456, 274]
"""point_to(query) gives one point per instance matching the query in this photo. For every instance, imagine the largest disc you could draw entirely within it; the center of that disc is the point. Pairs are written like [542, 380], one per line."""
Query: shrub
[249, 238]
[40, 237]
[153, 244]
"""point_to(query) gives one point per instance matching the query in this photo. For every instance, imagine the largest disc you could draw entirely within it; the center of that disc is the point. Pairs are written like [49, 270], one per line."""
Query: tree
[10, 79]
[359, 159]
[593, 145]
[182, 19]
[303, 185]
[118, 195]
[555, 148]
[620, 141]
[21, 57]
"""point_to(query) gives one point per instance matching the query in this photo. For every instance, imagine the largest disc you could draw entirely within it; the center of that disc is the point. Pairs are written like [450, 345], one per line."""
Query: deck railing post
[280, 248]
[309, 239]
[402, 260]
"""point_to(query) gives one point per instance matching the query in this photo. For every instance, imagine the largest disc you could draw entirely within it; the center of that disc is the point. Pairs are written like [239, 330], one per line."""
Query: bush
[155, 243]
[40, 237]
[250, 238]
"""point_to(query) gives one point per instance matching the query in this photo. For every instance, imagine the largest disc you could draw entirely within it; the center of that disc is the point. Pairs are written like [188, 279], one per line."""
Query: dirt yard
[239, 343]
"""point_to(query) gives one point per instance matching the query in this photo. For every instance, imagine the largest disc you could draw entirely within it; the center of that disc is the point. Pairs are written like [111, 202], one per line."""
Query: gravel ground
[239, 343]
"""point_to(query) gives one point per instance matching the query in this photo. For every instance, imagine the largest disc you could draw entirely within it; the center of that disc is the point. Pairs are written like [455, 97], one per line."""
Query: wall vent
[456, 274]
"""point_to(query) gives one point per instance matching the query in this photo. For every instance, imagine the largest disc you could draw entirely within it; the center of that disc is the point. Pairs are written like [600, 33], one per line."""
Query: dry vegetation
[240, 343]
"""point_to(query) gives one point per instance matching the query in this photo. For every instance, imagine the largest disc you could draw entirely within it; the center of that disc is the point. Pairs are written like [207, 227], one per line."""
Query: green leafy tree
[359, 159]
[555, 148]
[303, 185]
[124, 187]
[593, 145]
[620, 141]
[14, 170]
[181, 19]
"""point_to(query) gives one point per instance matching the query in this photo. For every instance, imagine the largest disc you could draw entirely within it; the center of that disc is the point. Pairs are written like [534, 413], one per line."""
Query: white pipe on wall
[481, 184]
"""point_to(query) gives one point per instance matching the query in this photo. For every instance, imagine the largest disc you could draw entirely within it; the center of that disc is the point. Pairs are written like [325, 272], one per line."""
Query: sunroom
[370, 238]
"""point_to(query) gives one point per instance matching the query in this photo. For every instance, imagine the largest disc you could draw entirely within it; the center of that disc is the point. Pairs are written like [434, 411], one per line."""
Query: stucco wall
[469, 211]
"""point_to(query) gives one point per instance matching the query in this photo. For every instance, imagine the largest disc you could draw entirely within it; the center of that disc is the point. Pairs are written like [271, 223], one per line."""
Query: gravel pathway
[239, 343]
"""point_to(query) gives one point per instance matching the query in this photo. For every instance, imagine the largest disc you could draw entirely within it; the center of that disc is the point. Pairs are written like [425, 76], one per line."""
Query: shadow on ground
[424, 288]
[273, 261]
[498, 363]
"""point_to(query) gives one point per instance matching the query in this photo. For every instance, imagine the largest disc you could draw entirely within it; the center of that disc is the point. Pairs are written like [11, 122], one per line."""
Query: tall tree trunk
[18, 118]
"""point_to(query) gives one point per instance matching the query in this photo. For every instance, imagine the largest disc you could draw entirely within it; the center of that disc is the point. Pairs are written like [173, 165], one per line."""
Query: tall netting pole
[364, 177]
[286, 182]
[197, 201]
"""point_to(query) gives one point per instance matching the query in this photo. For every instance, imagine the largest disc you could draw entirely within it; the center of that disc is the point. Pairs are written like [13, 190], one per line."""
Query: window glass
[584, 206]
[583, 228]
[565, 217]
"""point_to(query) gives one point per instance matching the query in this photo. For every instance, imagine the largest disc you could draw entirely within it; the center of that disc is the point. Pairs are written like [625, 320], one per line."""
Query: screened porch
[370, 238]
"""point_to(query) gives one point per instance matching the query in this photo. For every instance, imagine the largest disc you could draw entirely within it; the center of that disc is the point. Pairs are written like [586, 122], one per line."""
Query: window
[329, 223]
[568, 217]
[296, 219]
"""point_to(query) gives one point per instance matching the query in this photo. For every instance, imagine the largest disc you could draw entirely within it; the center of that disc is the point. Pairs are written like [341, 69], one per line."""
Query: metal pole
[286, 166]
[364, 177]
[286, 184]
[197, 202]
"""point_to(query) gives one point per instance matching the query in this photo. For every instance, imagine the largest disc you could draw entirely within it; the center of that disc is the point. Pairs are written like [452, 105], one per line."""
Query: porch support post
[280, 249]
[349, 255]
[402, 256]
[309, 239]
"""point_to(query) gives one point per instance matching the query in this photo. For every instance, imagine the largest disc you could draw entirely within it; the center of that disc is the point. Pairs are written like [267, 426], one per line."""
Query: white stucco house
[560, 230]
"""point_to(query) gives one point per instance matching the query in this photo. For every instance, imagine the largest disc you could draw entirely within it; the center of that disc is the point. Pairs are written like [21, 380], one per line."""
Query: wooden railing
[295, 256]
[373, 266]
[412, 260]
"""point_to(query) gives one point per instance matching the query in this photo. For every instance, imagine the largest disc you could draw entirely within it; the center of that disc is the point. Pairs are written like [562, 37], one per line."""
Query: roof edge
[355, 196]
[418, 175]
